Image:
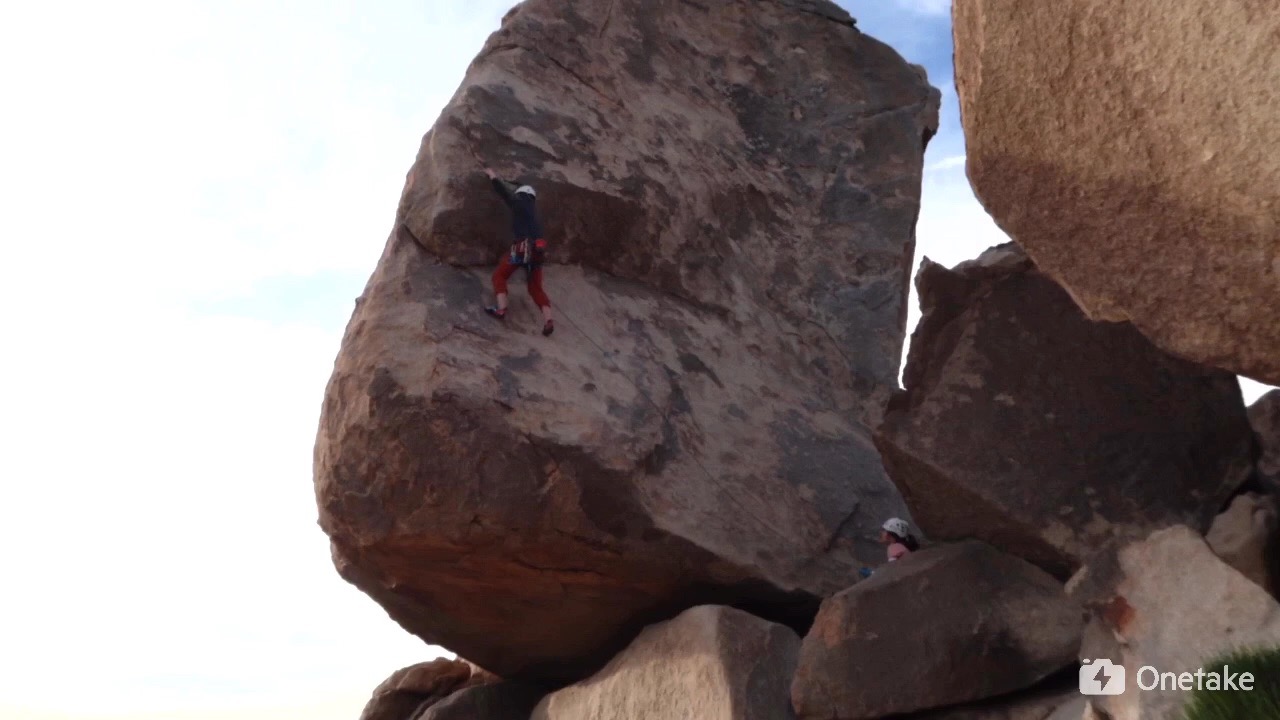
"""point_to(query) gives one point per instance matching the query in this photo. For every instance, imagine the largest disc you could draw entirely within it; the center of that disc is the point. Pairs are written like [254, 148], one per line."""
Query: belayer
[528, 250]
[896, 536]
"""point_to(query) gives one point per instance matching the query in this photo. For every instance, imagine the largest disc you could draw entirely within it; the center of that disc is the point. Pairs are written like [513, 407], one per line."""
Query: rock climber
[896, 535]
[528, 249]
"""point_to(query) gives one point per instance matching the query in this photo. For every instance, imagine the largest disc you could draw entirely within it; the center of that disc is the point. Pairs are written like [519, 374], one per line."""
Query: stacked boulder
[1047, 434]
[661, 510]
[1125, 150]
[731, 236]
[948, 625]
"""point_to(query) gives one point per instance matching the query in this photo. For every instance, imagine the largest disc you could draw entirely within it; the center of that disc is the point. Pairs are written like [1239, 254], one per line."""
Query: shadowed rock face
[1058, 698]
[1027, 425]
[1154, 617]
[505, 700]
[949, 624]
[1129, 152]
[409, 690]
[730, 234]
[1264, 416]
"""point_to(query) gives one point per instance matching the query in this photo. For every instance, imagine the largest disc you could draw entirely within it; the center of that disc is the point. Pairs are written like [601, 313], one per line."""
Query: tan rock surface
[709, 663]
[1129, 150]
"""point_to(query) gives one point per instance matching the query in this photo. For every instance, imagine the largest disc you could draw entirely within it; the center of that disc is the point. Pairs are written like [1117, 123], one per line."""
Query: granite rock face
[730, 239]
[1049, 435]
[709, 663]
[947, 625]
[1129, 152]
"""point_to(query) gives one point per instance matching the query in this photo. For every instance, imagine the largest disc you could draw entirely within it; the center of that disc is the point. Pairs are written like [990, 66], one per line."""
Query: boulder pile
[671, 507]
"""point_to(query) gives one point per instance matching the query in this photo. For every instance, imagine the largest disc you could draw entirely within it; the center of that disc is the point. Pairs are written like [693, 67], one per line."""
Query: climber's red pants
[507, 268]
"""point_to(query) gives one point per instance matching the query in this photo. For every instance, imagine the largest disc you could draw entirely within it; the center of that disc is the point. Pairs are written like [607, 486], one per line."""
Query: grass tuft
[1261, 703]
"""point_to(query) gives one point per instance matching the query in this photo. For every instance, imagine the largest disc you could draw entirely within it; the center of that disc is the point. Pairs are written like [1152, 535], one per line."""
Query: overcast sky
[192, 194]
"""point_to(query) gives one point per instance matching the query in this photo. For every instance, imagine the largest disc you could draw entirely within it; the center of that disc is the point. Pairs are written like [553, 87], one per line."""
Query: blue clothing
[524, 212]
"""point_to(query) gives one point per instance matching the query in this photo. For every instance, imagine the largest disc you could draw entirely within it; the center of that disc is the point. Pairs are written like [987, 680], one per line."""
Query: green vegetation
[1260, 703]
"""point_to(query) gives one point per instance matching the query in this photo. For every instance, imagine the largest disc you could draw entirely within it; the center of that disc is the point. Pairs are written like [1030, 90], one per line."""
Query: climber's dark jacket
[524, 214]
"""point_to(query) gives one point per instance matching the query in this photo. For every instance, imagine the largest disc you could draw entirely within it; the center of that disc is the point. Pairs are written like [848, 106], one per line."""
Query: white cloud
[159, 523]
[926, 7]
[947, 163]
[167, 521]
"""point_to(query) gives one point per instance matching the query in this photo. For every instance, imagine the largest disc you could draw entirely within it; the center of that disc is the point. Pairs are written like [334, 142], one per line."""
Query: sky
[192, 195]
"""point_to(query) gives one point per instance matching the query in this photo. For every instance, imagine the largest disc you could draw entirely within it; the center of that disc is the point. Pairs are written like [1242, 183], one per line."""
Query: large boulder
[1128, 151]
[730, 192]
[1264, 415]
[1047, 434]
[1174, 607]
[1247, 537]
[946, 625]
[709, 663]
[409, 689]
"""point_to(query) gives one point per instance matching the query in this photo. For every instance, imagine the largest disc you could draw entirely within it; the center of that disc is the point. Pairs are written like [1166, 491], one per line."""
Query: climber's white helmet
[526, 190]
[897, 526]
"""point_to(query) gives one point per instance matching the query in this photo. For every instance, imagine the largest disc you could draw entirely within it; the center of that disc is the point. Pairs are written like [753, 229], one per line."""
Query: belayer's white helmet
[526, 190]
[897, 526]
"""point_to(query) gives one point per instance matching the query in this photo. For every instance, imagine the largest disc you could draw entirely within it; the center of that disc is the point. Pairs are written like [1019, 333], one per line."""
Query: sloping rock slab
[730, 234]
[1046, 434]
[710, 663]
[1129, 152]
[947, 625]
[1174, 607]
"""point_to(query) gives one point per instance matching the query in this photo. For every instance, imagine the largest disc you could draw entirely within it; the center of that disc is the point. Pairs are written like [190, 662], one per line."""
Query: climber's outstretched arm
[505, 190]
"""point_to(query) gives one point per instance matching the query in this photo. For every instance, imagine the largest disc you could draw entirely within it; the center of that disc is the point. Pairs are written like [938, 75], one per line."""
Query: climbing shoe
[497, 312]
[549, 328]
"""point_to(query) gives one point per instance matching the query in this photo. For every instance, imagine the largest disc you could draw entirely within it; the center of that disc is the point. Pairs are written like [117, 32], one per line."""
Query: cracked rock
[1049, 435]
